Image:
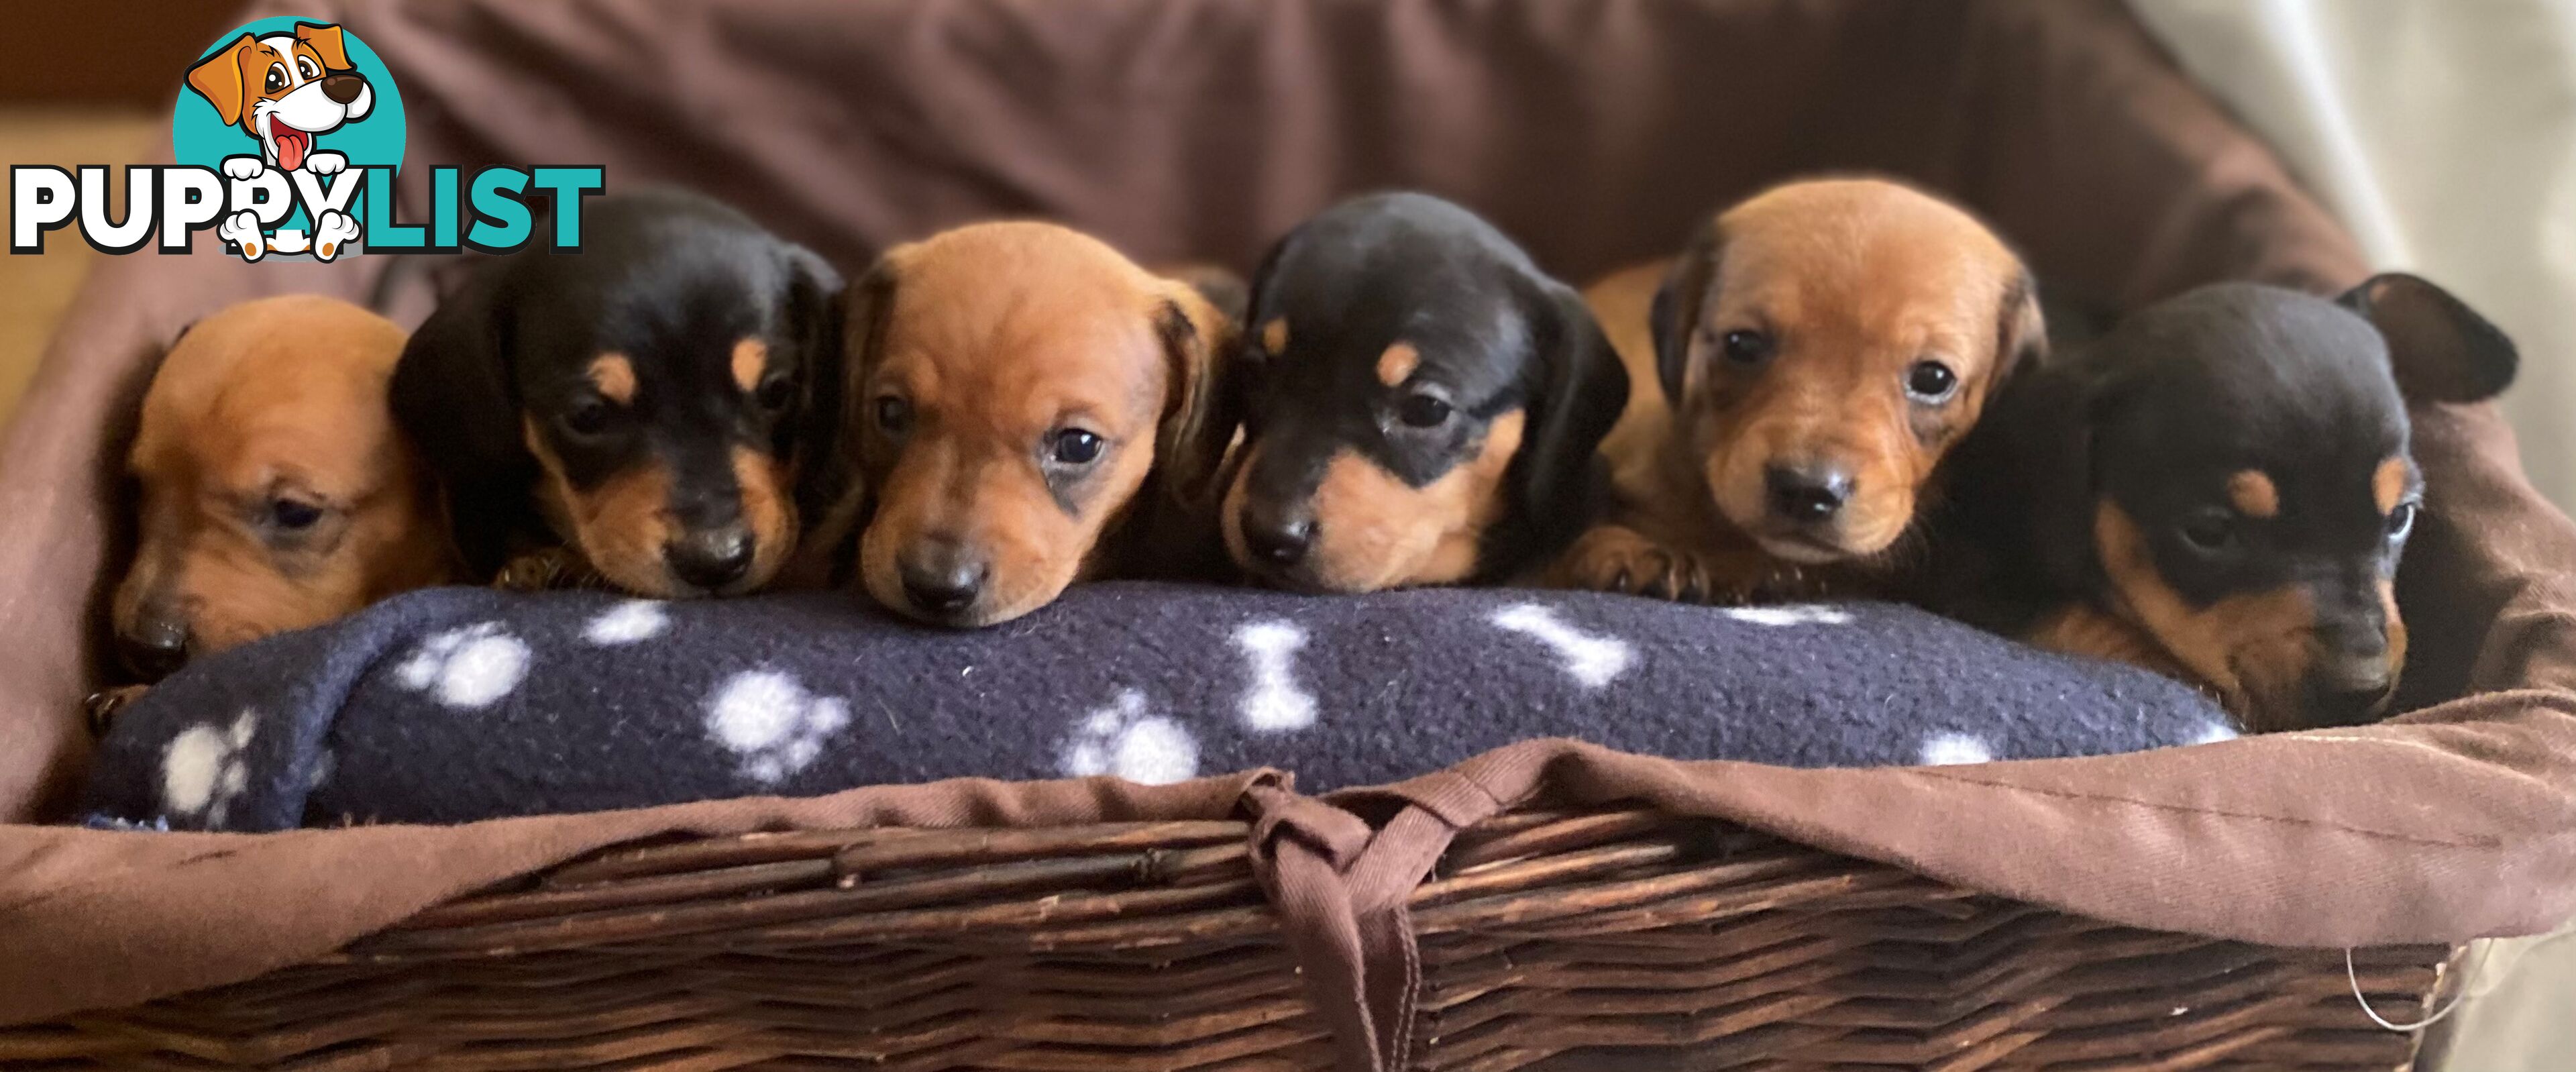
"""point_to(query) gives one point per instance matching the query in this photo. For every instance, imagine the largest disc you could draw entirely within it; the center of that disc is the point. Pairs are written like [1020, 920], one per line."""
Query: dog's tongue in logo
[291, 143]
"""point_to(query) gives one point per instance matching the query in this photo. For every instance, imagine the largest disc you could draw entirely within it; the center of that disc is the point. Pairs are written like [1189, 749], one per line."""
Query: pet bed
[1548, 903]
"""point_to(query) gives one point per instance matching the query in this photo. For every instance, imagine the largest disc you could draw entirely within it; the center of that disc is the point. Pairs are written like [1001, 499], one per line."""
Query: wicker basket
[1596, 939]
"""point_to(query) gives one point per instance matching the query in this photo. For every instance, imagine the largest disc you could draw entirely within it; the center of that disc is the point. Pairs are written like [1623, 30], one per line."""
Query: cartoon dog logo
[285, 90]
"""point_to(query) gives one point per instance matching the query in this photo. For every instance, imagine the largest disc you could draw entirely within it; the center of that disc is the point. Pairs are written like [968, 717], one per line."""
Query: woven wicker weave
[1597, 940]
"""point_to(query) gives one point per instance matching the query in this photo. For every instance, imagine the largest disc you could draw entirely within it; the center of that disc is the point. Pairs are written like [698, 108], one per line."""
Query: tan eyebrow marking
[750, 359]
[1397, 364]
[1274, 336]
[2254, 494]
[614, 376]
[2388, 484]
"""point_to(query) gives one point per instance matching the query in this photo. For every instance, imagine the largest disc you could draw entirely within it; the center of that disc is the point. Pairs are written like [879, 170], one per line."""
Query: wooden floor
[34, 290]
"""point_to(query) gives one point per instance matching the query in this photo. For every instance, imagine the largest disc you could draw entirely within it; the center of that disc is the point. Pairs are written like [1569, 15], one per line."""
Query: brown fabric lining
[1181, 130]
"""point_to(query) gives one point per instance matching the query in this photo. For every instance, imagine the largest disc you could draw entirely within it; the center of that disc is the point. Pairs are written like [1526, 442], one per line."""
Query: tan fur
[2254, 495]
[613, 376]
[2252, 650]
[1855, 280]
[750, 360]
[1274, 336]
[281, 396]
[1396, 365]
[621, 525]
[1384, 533]
[234, 79]
[997, 334]
[2388, 484]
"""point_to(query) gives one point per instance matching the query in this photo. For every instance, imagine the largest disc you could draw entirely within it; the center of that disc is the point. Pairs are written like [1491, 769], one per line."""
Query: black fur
[1494, 334]
[670, 280]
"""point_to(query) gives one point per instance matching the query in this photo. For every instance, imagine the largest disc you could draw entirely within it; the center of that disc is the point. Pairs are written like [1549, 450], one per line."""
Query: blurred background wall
[2444, 133]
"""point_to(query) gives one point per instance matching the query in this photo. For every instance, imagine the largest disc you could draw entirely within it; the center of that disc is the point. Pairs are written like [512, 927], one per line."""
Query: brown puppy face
[1015, 386]
[1824, 344]
[275, 492]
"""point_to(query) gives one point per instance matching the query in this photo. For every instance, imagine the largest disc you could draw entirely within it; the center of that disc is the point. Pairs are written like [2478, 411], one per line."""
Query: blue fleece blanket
[459, 704]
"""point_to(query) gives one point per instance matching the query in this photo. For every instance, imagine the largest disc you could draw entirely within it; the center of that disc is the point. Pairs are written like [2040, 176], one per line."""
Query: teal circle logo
[307, 101]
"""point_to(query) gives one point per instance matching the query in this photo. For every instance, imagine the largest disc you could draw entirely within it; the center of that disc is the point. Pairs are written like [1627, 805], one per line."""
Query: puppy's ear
[1222, 289]
[2439, 348]
[455, 396]
[218, 78]
[1198, 413]
[1577, 389]
[2045, 420]
[839, 487]
[1676, 310]
[2021, 329]
[811, 317]
[325, 40]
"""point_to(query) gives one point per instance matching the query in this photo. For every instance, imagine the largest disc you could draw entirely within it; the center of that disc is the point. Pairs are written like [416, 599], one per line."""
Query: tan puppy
[1799, 373]
[275, 492]
[1027, 407]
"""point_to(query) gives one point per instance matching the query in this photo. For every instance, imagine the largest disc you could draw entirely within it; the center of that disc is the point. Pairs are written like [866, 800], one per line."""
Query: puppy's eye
[2401, 521]
[1931, 381]
[276, 78]
[1423, 411]
[292, 515]
[775, 393]
[306, 68]
[894, 415]
[1073, 446]
[1746, 347]
[587, 417]
[2209, 531]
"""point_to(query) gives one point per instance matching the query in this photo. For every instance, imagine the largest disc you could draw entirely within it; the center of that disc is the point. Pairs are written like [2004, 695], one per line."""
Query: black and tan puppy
[1803, 369]
[275, 493]
[2220, 489]
[1423, 403]
[648, 402]
[1029, 408]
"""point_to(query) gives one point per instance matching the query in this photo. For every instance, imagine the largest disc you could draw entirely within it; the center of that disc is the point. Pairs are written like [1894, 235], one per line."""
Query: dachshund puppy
[1029, 409]
[1814, 352]
[275, 493]
[643, 402]
[1424, 405]
[2219, 489]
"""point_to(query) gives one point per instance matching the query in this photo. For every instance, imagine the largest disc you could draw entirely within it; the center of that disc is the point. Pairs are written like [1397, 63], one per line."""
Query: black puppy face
[655, 387]
[2252, 493]
[1422, 405]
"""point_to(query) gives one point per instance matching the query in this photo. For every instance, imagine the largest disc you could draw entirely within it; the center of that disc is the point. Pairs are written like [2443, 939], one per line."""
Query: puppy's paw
[1615, 558]
[325, 163]
[100, 709]
[332, 233]
[549, 569]
[243, 167]
[242, 230]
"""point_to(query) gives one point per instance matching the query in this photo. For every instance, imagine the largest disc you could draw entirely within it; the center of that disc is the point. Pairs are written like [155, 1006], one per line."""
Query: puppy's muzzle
[343, 88]
[711, 558]
[154, 645]
[2351, 681]
[943, 581]
[1806, 494]
[1278, 536]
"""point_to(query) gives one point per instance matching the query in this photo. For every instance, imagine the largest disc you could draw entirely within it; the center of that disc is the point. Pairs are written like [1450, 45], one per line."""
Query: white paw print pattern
[1953, 749]
[1592, 660]
[1790, 614]
[630, 622]
[468, 667]
[1275, 703]
[773, 727]
[203, 769]
[1123, 740]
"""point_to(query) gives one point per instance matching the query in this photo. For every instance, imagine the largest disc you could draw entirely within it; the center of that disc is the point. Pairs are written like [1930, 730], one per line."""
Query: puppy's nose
[343, 88]
[153, 646]
[1276, 535]
[1807, 494]
[2352, 684]
[943, 588]
[710, 558]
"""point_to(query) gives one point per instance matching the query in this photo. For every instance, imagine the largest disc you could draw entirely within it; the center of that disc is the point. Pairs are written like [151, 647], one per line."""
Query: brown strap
[1301, 849]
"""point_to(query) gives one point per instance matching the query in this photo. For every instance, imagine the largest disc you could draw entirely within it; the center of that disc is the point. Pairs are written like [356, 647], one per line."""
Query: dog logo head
[290, 112]
[284, 89]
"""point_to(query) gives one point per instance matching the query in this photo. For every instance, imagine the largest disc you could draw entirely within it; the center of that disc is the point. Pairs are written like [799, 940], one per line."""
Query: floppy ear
[1223, 289]
[838, 490]
[1198, 414]
[2021, 329]
[812, 318]
[325, 39]
[454, 395]
[2439, 348]
[2045, 419]
[218, 78]
[1577, 389]
[1677, 302]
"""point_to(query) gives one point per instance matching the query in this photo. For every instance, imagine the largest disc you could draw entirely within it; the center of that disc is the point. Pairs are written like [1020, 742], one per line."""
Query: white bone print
[1275, 703]
[1593, 660]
